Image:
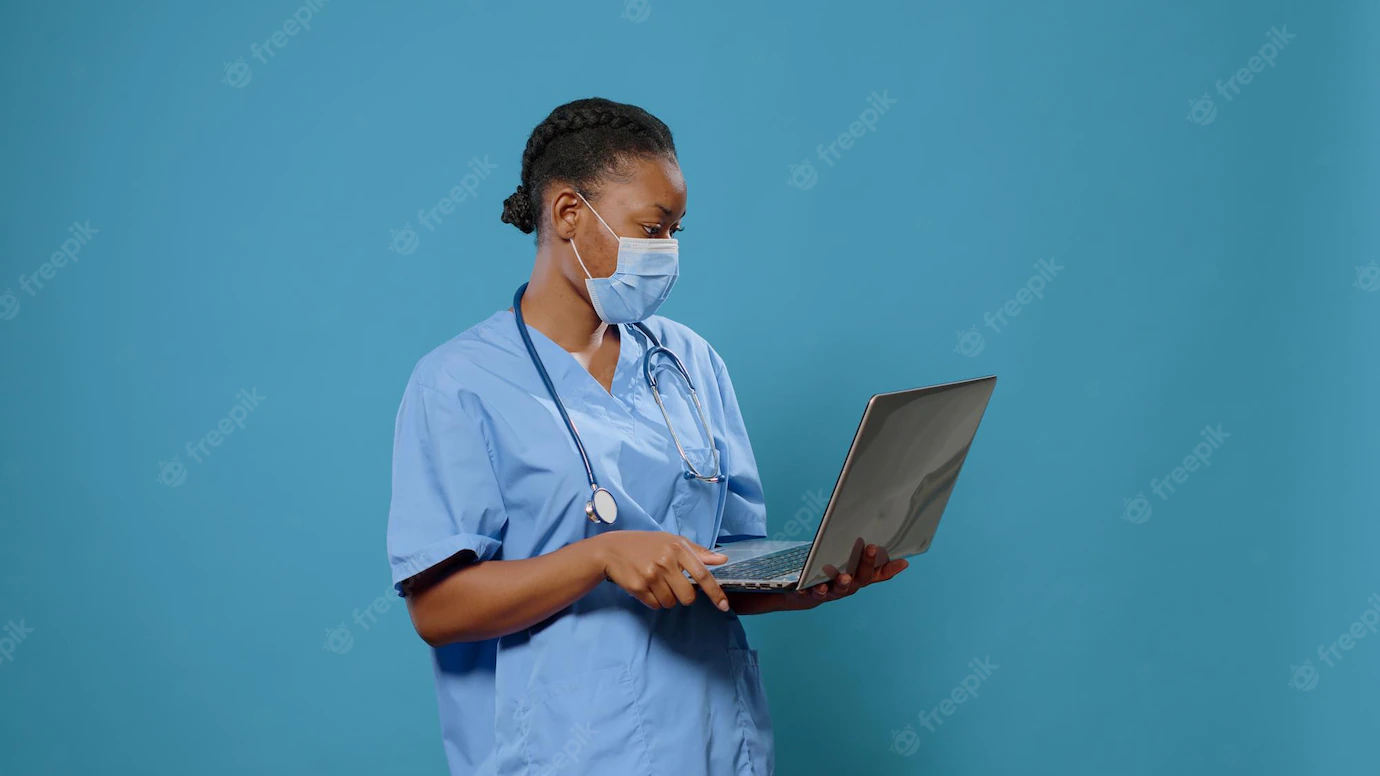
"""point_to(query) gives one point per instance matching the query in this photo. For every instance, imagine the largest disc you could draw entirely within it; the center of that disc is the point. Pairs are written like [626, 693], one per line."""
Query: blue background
[247, 239]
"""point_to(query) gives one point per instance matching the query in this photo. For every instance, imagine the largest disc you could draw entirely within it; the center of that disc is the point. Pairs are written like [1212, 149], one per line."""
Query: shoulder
[464, 358]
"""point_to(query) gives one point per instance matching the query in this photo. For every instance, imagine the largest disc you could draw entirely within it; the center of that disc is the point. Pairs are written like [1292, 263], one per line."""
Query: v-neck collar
[568, 374]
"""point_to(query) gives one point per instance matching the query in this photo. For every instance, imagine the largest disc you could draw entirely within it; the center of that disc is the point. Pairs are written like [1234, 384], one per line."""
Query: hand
[649, 565]
[874, 567]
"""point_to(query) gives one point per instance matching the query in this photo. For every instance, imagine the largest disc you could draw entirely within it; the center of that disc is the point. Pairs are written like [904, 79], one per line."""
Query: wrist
[596, 556]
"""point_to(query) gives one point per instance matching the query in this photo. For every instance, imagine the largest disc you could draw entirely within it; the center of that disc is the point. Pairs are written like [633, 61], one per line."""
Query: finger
[643, 594]
[680, 586]
[867, 568]
[662, 591]
[706, 580]
[820, 591]
[843, 585]
[892, 569]
[705, 555]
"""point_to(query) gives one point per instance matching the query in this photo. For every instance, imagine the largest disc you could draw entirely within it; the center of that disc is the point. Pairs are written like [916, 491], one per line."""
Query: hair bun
[517, 210]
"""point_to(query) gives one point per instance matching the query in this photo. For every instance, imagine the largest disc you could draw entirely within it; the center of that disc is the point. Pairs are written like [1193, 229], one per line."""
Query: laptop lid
[899, 474]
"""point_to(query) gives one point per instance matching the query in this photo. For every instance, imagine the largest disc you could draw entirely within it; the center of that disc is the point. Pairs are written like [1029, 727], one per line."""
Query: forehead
[648, 181]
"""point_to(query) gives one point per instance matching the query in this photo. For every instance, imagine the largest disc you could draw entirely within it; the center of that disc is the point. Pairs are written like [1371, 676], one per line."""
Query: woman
[545, 559]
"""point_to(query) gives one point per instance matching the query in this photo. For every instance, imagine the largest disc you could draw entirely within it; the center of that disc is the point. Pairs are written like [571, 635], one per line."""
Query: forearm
[490, 599]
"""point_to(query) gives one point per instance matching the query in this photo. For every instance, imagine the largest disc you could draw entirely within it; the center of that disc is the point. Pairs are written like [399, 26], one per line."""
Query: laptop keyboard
[769, 566]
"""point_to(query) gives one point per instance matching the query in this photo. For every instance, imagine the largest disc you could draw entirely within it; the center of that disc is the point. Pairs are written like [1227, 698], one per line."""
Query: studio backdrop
[231, 229]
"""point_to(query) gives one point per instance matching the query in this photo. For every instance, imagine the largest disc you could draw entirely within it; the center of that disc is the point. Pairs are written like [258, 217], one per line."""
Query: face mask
[647, 269]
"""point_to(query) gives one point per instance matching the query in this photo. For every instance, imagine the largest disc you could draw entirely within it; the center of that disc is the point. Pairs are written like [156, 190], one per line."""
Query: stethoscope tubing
[650, 375]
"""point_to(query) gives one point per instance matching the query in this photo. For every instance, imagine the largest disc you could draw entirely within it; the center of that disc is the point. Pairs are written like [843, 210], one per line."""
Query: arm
[494, 598]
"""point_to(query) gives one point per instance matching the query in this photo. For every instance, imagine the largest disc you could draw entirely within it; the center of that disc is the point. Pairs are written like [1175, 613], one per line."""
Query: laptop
[895, 483]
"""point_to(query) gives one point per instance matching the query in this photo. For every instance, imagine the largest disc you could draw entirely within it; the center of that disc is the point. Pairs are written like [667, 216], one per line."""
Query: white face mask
[646, 271]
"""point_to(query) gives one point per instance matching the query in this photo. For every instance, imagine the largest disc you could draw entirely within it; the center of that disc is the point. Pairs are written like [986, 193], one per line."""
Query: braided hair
[579, 143]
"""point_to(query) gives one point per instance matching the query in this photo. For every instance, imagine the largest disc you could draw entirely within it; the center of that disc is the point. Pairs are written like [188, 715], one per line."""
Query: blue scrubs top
[483, 462]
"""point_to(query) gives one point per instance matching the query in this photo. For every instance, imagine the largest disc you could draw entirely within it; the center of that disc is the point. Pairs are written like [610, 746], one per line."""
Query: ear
[565, 212]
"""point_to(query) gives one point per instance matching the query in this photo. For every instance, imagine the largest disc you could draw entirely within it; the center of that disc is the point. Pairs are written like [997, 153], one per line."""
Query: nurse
[561, 466]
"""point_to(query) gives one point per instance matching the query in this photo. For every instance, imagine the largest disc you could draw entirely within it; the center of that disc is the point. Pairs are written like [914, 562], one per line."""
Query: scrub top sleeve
[745, 509]
[446, 498]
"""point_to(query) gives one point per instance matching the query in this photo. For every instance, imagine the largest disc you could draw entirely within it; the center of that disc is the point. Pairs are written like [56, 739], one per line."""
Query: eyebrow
[668, 210]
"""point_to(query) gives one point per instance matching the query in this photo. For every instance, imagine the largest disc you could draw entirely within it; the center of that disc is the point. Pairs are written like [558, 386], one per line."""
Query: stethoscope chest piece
[602, 508]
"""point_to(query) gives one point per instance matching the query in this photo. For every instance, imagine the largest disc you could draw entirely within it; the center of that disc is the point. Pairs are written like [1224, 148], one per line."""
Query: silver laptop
[894, 486]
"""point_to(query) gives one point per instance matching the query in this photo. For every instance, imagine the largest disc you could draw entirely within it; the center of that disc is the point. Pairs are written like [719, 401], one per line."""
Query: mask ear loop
[577, 258]
[602, 221]
[596, 215]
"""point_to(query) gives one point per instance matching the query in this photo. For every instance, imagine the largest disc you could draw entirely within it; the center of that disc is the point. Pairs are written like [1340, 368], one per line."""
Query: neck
[554, 306]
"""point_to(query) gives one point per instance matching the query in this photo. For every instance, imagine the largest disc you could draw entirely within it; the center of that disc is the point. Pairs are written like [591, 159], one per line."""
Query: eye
[676, 228]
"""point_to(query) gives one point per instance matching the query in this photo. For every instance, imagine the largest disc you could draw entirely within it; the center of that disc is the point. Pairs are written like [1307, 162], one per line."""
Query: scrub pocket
[695, 502]
[590, 723]
[757, 755]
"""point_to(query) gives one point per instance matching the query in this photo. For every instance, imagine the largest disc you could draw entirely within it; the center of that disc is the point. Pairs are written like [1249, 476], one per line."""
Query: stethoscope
[602, 507]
